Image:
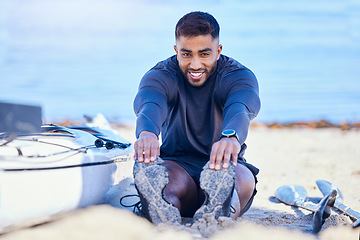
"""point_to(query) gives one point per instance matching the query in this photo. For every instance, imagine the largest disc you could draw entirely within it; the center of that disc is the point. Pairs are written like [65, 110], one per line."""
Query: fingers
[226, 160]
[136, 156]
[213, 155]
[146, 151]
[146, 148]
[150, 151]
[221, 153]
[234, 159]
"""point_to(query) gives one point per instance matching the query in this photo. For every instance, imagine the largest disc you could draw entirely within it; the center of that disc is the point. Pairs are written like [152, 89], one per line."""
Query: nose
[195, 63]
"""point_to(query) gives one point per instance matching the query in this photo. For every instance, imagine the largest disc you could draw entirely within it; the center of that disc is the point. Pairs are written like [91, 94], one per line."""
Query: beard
[206, 74]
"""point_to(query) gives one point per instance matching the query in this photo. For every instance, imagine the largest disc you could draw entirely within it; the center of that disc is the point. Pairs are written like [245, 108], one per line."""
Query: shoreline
[310, 124]
[318, 124]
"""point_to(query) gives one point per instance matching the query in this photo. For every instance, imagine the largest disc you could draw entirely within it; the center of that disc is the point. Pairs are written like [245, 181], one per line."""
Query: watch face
[228, 132]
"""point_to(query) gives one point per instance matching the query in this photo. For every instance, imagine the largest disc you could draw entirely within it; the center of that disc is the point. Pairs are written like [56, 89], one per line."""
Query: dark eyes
[204, 54]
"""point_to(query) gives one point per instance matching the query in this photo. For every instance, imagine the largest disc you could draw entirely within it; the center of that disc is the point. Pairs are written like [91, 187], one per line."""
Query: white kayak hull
[38, 184]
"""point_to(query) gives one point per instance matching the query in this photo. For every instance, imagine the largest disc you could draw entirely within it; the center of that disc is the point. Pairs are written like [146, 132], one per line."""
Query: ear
[218, 52]
[175, 48]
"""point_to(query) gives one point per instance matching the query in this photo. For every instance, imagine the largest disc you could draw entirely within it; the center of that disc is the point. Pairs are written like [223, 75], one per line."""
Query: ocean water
[88, 56]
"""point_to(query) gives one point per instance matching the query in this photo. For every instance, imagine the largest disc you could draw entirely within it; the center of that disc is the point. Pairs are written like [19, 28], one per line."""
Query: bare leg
[244, 186]
[181, 190]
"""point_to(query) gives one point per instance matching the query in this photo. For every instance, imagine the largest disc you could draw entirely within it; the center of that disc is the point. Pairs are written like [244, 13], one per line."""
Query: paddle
[296, 195]
[326, 187]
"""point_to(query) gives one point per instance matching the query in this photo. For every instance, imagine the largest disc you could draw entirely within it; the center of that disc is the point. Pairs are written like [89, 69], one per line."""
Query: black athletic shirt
[190, 119]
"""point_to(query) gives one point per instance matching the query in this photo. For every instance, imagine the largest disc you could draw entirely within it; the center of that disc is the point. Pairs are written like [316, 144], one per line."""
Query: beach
[84, 57]
[297, 155]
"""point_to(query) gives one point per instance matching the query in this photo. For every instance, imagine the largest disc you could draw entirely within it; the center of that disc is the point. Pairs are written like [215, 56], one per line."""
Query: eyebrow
[200, 51]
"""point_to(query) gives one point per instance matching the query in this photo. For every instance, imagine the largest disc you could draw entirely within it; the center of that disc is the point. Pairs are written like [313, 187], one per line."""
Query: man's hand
[222, 151]
[146, 147]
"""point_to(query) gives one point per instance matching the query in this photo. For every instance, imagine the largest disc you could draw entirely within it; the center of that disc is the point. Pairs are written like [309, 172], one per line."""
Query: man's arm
[150, 106]
[241, 106]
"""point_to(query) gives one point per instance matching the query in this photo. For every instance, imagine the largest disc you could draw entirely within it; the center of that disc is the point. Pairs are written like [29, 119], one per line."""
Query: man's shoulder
[228, 64]
[169, 65]
[229, 67]
[162, 76]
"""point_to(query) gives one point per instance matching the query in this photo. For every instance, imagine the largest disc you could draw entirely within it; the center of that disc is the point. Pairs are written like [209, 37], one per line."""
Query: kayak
[58, 170]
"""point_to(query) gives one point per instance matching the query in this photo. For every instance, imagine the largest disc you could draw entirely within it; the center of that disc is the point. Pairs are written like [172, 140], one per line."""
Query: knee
[244, 177]
[172, 197]
[174, 191]
[183, 199]
[247, 185]
[178, 190]
[244, 185]
[181, 190]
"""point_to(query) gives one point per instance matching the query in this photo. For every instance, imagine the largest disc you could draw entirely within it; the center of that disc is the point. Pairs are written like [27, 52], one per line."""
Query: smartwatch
[229, 133]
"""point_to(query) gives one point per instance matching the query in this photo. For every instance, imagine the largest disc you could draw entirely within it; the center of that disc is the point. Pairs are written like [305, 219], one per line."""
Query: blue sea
[76, 57]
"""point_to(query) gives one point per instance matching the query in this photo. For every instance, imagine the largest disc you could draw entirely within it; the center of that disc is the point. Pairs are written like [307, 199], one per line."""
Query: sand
[285, 156]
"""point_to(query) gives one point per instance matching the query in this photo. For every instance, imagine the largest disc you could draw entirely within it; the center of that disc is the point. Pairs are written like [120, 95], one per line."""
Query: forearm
[148, 119]
[150, 107]
[242, 102]
[238, 117]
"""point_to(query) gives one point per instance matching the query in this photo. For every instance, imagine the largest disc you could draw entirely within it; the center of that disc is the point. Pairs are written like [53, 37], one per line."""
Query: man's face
[197, 57]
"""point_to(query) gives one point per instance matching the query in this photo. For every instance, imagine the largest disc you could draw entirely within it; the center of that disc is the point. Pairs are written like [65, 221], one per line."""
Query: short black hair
[197, 23]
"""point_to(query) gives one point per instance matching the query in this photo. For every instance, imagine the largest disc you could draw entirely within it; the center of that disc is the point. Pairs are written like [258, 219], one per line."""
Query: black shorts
[194, 167]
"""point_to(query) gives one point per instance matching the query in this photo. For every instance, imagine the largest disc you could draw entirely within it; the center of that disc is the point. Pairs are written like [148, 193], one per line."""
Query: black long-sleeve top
[190, 119]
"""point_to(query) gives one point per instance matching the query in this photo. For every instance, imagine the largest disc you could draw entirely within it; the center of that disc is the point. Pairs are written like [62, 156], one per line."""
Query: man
[201, 102]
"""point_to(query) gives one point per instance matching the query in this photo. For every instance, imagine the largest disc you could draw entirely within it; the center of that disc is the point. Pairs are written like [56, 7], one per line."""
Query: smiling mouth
[196, 75]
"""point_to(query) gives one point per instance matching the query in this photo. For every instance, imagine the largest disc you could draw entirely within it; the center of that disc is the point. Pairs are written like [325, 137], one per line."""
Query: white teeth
[196, 74]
